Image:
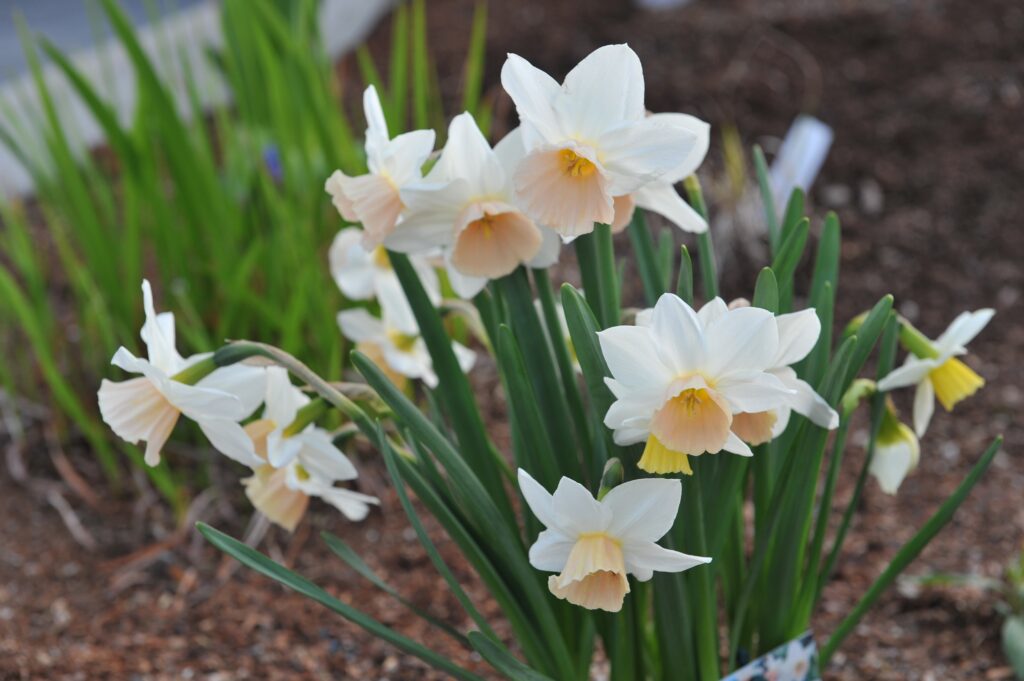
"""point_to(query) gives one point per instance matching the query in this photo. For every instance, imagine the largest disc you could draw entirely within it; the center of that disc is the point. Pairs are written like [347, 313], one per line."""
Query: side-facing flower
[465, 206]
[589, 139]
[393, 341]
[373, 199]
[660, 196]
[934, 368]
[147, 408]
[897, 451]
[678, 385]
[298, 460]
[594, 545]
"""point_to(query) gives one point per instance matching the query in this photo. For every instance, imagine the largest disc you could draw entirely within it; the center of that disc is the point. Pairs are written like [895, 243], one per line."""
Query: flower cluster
[290, 457]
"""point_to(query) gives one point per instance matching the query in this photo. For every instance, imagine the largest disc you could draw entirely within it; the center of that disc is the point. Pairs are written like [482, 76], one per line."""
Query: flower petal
[633, 357]
[648, 556]
[576, 511]
[643, 509]
[533, 92]
[551, 550]
[359, 326]
[798, 334]
[662, 198]
[744, 339]
[924, 406]
[913, 371]
[701, 130]
[537, 498]
[963, 329]
[230, 439]
[603, 91]
[678, 335]
[640, 152]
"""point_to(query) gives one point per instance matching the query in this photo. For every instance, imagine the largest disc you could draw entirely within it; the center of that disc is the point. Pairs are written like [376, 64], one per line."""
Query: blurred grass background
[222, 209]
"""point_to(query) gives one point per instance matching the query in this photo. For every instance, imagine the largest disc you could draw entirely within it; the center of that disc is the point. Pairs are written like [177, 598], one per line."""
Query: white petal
[712, 311]
[643, 509]
[352, 265]
[913, 371]
[376, 127]
[891, 464]
[231, 440]
[744, 339]
[924, 406]
[406, 155]
[467, 155]
[647, 555]
[246, 382]
[282, 450]
[283, 400]
[158, 334]
[602, 91]
[798, 334]
[360, 326]
[633, 357]
[465, 357]
[807, 402]
[964, 328]
[537, 498]
[735, 445]
[551, 551]
[533, 93]
[678, 334]
[322, 459]
[432, 210]
[662, 198]
[688, 164]
[465, 285]
[754, 391]
[575, 510]
[637, 153]
[353, 505]
[135, 410]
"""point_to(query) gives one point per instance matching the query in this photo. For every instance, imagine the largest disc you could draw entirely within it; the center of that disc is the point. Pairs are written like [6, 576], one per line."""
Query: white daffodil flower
[897, 452]
[465, 206]
[678, 384]
[373, 199]
[935, 370]
[594, 545]
[147, 408]
[360, 273]
[660, 196]
[298, 460]
[393, 341]
[589, 139]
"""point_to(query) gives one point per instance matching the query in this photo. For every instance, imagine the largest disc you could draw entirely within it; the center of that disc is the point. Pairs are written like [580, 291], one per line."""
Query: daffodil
[678, 384]
[361, 273]
[465, 206]
[393, 340]
[660, 196]
[298, 459]
[147, 408]
[934, 368]
[589, 139]
[897, 451]
[594, 545]
[374, 198]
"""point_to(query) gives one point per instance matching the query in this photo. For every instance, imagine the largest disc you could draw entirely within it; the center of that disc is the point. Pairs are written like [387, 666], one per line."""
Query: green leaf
[684, 287]
[764, 183]
[255, 560]
[354, 561]
[1013, 643]
[651, 274]
[501, 659]
[766, 291]
[911, 550]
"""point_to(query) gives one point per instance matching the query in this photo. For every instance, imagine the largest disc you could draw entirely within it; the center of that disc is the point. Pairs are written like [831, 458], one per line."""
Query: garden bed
[926, 101]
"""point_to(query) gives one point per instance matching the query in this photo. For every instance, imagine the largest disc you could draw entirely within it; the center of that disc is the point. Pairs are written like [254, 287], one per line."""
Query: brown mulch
[926, 99]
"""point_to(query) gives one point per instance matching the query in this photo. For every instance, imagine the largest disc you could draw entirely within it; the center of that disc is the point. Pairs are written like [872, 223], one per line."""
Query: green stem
[706, 615]
[705, 248]
[305, 416]
[198, 371]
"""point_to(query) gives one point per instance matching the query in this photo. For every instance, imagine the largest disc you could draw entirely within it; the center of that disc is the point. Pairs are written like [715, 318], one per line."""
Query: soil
[926, 100]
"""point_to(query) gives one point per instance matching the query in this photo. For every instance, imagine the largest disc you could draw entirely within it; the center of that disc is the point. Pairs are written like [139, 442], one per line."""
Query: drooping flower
[660, 196]
[678, 384]
[298, 460]
[589, 139]
[361, 273]
[465, 206]
[594, 545]
[147, 408]
[934, 367]
[393, 341]
[897, 451]
[374, 199]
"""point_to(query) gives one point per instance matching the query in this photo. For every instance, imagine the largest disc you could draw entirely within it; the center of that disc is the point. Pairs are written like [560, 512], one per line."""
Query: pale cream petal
[754, 428]
[376, 203]
[271, 496]
[695, 421]
[594, 576]
[624, 206]
[333, 186]
[135, 410]
[565, 189]
[495, 245]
